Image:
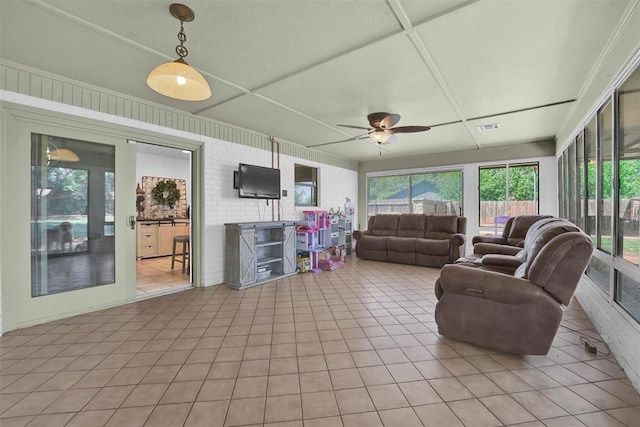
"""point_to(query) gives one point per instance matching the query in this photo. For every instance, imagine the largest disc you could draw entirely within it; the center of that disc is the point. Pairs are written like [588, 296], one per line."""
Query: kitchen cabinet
[155, 238]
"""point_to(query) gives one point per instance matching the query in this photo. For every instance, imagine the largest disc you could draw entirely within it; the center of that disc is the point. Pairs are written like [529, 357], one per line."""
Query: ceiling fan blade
[389, 121]
[354, 127]
[409, 129]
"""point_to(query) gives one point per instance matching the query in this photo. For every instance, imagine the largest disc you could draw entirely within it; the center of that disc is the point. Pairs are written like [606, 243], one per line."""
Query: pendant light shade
[63, 155]
[178, 79]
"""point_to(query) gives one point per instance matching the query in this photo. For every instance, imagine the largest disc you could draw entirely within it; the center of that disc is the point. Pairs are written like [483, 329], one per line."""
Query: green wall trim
[28, 81]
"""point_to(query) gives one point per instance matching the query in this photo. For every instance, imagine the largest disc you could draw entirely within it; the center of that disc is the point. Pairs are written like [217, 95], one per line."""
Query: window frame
[314, 186]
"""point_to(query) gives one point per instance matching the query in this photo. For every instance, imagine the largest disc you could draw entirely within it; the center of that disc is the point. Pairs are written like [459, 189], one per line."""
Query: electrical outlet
[284, 193]
[590, 348]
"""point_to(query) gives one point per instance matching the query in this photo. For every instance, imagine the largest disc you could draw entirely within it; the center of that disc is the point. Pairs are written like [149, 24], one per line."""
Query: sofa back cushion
[519, 227]
[411, 225]
[385, 225]
[370, 222]
[440, 226]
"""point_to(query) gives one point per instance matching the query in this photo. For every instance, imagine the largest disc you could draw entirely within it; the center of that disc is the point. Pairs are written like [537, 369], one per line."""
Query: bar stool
[184, 240]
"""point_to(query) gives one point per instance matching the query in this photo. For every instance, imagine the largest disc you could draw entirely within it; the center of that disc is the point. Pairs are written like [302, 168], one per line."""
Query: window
[429, 193]
[605, 143]
[607, 193]
[306, 186]
[629, 170]
[506, 190]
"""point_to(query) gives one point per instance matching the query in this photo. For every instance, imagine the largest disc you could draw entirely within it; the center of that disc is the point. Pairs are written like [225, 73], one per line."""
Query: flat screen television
[257, 182]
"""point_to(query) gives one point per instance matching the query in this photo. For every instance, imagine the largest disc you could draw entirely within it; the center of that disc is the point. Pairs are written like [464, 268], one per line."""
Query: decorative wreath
[166, 193]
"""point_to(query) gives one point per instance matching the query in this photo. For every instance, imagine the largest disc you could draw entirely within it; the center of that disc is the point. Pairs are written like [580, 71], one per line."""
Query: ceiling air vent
[488, 126]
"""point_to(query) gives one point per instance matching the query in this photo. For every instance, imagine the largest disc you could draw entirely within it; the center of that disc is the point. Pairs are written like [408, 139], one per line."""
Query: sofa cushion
[385, 225]
[411, 225]
[440, 226]
[401, 244]
[520, 226]
[432, 246]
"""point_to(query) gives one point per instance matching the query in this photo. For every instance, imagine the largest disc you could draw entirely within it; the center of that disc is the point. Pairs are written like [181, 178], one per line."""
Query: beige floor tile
[480, 385]
[387, 397]
[316, 422]
[181, 392]
[283, 384]
[207, 414]
[33, 404]
[72, 400]
[539, 405]
[627, 416]
[598, 419]
[51, 420]
[91, 418]
[375, 375]
[436, 415]
[508, 381]
[403, 417]
[250, 387]
[450, 389]
[169, 415]
[315, 381]
[131, 417]
[345, 378]
[568, 400]
[473, 413]
[566, 421]
[506, 409]
[246, 411]
[365, 419]
[621, 390]
[597, 396]
[146, 395]
[311, 363]
[320, 404]
[354, 400]
[283, 408]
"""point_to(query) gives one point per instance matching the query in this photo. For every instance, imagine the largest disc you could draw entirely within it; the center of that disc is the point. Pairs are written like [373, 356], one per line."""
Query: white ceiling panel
[500, 56]
[296, 69]
[524, 126]
[253, 112]
[250, 42]
[387, 76]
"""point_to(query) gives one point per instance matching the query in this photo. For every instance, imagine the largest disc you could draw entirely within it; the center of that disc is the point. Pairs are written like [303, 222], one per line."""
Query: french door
[72, 193]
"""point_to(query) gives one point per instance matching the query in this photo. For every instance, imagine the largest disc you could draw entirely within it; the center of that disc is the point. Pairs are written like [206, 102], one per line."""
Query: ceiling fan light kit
[383, 127]
[178, 79]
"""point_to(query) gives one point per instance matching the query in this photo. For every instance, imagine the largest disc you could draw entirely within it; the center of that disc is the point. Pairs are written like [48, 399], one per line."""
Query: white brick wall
[617, 329]
[222, 205]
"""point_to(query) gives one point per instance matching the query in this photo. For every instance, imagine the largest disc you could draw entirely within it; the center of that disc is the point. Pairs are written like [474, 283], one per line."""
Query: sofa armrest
[489, 239]
[498, 287]
[357, 234]
[456, 246]
[501, 260]
[492, 248]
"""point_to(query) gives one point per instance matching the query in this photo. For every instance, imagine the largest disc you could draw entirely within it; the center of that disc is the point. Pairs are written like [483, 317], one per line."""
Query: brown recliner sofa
[514, 232]
[505, 257]
[518, 312]
[418, 239]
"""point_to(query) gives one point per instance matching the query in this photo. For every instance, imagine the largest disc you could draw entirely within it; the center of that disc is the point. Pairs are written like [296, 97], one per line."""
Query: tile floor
[155, 274]
[352, 347]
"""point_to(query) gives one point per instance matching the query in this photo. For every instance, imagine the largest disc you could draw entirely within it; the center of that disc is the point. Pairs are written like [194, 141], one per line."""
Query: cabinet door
[147, 239]
[165, 239]
[248, 262]
[289, 250]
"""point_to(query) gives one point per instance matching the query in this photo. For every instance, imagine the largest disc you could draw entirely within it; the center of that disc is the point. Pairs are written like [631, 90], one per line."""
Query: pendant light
[178, 79]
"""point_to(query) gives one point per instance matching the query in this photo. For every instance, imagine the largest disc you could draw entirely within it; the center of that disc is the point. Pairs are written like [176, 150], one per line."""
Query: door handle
[131, 220]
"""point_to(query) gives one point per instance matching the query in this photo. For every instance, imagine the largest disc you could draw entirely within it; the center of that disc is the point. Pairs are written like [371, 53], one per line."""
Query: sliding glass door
[506, 190]
[73, 249]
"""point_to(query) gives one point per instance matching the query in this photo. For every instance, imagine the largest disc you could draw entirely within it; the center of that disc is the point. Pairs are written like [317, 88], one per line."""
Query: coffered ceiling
[295, 69]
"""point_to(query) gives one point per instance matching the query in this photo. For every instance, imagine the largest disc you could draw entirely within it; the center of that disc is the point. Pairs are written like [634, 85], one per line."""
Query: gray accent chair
[517, 312]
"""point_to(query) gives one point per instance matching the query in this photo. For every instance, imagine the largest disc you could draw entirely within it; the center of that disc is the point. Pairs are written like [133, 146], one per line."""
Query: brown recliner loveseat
[418, 239]
[518, 312]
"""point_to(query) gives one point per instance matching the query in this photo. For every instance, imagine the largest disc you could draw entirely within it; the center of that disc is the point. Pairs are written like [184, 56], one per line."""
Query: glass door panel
[72, 246]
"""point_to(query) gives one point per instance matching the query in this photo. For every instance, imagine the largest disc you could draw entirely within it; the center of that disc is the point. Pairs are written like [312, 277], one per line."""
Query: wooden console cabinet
[155, 238]
[259, 252]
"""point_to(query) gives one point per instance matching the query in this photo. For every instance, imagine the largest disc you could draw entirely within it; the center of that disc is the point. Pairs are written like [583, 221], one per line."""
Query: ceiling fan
[382, 128]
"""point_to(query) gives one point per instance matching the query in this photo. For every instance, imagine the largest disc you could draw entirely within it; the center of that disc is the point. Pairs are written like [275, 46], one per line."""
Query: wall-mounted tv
[257, 182]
